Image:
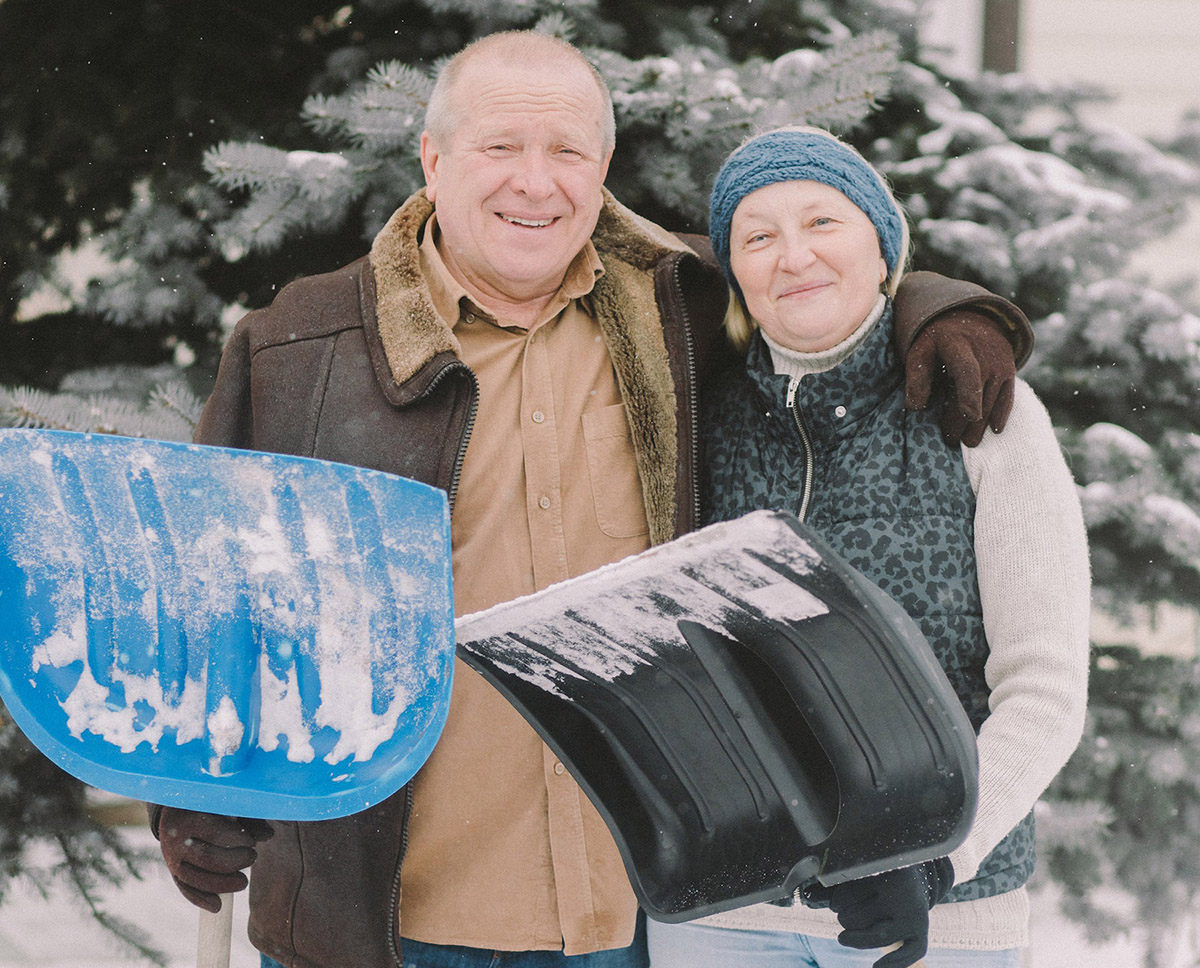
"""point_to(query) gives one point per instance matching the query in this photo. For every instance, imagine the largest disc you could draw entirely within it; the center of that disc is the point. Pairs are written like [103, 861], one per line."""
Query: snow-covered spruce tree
[40, 803]
[1009, 185]
[1006, 182]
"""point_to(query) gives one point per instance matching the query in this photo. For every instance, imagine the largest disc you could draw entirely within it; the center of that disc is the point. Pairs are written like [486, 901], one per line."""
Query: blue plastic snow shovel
[222, 630]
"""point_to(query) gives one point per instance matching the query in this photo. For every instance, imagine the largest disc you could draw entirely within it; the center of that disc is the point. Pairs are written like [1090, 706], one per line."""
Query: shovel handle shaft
[915, 964]
[215, 935]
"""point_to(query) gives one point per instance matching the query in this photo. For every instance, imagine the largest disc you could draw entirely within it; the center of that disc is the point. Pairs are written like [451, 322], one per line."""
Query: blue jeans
[417, 954]
[690, 945]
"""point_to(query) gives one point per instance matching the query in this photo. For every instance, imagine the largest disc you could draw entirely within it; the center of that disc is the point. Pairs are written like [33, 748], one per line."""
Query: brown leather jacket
[355, 366]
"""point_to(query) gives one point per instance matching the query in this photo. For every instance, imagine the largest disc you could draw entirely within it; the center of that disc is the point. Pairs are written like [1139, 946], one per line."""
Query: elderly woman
[984, 547]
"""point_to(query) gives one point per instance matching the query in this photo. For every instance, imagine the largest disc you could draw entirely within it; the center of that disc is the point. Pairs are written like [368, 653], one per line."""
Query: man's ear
[429, 162]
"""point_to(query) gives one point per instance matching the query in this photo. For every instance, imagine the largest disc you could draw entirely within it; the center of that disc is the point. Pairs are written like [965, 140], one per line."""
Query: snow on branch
[850, 82]
[384, 114]
[96, 413]
[244, 165]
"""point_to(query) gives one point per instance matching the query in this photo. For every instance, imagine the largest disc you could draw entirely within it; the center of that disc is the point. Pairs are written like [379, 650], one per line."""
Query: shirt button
[470, 317]
[559, 769]
[544, 503]
[538, 416]
[840, 411]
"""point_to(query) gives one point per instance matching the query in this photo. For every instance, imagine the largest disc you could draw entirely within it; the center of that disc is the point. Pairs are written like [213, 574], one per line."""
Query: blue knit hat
[802, 155]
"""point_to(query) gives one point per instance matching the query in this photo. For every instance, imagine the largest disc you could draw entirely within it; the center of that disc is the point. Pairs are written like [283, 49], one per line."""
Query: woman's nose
[796, 255]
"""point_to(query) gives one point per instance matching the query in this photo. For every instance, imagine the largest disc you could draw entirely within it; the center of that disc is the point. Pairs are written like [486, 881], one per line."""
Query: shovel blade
[223, 630]
[747, 712]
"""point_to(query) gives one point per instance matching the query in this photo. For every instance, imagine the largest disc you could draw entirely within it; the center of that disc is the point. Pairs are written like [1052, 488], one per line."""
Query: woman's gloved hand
[887, 909]
[206, 853]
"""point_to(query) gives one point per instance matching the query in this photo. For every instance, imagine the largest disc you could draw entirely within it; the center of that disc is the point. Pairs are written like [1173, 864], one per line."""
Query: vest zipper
[806, 442]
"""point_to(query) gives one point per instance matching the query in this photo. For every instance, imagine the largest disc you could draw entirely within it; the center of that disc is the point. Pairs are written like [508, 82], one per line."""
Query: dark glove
[975, 357]
[887, 909]
[206, 853]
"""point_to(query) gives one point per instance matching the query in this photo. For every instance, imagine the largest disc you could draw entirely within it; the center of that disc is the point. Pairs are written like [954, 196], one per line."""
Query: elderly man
[520, 339]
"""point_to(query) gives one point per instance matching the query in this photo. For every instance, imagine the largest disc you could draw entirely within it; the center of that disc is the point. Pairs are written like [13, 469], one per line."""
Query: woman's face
[808, 263]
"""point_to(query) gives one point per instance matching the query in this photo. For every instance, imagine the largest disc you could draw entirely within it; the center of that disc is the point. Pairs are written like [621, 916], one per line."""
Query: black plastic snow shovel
[747, 712]
[223, 630]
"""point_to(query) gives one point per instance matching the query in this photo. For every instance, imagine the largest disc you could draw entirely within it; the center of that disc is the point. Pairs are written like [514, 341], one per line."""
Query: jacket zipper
[456, 475]
[806, 441]
[451, 494]
[689, 352]
[394, 904]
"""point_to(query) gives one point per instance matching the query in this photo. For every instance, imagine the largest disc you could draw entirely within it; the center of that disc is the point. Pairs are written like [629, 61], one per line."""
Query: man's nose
[533, 176]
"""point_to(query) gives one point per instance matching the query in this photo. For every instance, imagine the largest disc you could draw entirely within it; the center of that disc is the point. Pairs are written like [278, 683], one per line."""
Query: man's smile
[529, 223]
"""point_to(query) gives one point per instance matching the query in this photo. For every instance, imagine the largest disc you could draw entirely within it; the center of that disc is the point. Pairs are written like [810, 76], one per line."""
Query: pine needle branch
[852, 79]
[82, 871]
[236, 165]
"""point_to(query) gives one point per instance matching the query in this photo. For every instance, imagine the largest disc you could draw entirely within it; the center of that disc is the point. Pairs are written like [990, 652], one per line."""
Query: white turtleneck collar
[795, 364]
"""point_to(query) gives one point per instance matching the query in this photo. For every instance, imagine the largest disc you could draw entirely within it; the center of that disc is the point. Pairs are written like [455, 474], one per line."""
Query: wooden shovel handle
[215, 936]
[915, 964]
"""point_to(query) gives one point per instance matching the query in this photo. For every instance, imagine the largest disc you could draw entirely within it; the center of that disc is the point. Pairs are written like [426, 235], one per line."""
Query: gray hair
[441, 115]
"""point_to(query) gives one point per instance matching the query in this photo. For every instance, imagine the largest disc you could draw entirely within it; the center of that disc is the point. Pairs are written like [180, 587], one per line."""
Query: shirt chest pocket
[612, 469]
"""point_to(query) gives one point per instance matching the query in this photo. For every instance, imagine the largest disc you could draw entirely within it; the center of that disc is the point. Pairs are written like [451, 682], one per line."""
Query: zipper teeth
[806, 440]
[693, 408]
[394, 905]
[455, 477]
[451, 494]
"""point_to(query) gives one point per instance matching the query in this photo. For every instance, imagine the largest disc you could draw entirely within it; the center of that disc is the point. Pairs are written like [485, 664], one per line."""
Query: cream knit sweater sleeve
[1034, 583]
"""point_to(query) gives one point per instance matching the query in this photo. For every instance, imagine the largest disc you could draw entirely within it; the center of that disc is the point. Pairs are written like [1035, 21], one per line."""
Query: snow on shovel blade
[231, 631]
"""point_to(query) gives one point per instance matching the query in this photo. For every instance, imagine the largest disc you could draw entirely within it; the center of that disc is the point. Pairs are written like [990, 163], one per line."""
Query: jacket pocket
[612, 468]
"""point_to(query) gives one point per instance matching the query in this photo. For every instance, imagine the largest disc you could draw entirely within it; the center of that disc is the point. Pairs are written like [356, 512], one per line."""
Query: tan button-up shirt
[506, 852]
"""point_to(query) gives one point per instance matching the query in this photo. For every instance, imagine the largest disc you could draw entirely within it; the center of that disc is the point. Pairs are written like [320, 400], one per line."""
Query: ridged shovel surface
[233, 631]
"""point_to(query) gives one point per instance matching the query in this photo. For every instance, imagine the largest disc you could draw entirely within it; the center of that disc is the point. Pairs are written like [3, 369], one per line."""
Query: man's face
[517, 188]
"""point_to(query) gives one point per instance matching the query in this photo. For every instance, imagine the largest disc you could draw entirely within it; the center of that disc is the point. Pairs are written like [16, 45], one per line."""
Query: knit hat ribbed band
[780, 156]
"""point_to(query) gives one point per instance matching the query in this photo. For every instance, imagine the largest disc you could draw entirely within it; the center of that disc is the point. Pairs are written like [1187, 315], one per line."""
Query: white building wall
[1145, 53]
[955, 28]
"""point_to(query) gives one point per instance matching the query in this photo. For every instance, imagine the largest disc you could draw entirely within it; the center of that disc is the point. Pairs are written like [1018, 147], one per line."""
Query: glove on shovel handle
[215, 936]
